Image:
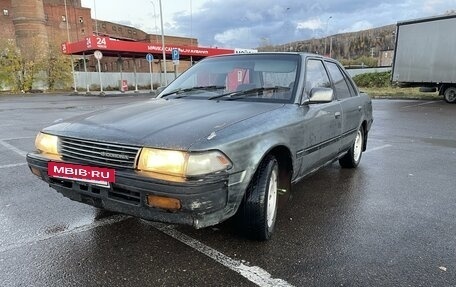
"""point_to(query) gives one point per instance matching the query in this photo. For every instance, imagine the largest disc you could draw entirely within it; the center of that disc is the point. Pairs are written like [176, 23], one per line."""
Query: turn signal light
[167, 203]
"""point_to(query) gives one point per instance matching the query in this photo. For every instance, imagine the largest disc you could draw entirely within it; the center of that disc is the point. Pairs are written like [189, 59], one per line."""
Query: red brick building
[25, 20]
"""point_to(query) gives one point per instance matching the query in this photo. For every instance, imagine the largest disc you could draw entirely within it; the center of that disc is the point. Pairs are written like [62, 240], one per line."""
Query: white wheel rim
[272, 198]
[358, 147]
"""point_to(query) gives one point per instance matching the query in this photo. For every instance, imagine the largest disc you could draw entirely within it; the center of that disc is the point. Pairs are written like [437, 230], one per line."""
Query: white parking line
[13, 148]
[30, 241]
[12, 165]
[16, 138]
[378, 148]
[254, 274]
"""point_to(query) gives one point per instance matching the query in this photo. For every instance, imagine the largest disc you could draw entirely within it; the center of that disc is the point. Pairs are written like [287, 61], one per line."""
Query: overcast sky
[250, 23]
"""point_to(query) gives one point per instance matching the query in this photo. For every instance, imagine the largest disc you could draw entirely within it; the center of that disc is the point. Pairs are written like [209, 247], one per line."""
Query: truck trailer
[425, 55]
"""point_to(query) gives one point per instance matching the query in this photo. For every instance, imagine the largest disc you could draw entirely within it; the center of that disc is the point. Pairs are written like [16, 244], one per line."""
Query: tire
[259, 210]
[352, 158]
[450, 95]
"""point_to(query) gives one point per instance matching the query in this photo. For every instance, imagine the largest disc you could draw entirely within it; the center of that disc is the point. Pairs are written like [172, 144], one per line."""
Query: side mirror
[320, 95]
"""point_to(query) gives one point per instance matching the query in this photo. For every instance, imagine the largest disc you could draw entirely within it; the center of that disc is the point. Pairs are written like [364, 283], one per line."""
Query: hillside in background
[349, 48]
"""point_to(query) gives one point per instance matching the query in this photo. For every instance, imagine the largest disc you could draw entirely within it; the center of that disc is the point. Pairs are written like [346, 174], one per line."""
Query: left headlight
[47, 143]
[182, 164]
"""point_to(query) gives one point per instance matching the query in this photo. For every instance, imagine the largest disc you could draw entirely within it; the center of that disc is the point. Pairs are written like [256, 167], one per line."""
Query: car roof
[303, 54]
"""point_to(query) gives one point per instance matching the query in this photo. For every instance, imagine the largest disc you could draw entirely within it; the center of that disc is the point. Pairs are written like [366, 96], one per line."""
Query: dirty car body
[225, 138]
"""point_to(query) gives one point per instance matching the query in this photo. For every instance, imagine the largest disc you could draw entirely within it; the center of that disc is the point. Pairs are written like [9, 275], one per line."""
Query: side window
[316, 76]
[340, 84]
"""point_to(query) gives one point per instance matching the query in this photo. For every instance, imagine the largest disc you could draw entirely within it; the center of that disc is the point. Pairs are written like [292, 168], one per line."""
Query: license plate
[82, 173]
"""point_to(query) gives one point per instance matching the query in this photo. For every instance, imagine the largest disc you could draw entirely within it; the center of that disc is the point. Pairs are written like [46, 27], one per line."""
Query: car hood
[161, 123]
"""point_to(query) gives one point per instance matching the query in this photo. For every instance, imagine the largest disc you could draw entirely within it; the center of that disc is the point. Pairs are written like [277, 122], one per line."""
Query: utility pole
[326, 33]
[330, 46]
[71, 56]
[163, 43]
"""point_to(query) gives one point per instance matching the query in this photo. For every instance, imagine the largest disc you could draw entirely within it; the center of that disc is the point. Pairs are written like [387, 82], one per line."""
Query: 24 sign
[101, 42]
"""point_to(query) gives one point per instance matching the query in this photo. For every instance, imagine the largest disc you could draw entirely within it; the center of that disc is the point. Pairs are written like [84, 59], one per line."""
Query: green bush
[362, 61]
[373, 80]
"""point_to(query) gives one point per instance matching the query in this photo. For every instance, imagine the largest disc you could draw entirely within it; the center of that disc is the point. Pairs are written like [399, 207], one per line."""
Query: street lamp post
[163, 43]
[155, 22]
[71, 56]
[330, 46]
[95, 14]
[285, 28]
[326, 32]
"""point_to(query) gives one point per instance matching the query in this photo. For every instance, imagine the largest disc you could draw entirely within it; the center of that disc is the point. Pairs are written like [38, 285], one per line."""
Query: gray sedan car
[225, 138]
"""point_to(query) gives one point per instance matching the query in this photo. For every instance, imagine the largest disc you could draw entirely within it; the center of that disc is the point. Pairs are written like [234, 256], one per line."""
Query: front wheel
[450, 95]
[259, 208]
[352, 158]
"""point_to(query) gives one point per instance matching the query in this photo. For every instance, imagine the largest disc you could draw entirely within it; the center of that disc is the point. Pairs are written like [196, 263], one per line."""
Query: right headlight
[46, 143]
[182, 164]
[207, 162]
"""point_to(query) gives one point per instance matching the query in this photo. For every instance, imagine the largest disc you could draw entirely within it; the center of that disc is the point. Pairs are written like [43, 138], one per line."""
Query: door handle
[337, 115]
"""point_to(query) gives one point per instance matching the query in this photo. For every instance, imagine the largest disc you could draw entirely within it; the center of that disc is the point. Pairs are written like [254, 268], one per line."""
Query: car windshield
[251, 77]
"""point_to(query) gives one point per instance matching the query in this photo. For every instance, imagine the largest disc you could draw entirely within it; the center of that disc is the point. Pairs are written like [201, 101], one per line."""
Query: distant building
[385, 58]
[25, 21]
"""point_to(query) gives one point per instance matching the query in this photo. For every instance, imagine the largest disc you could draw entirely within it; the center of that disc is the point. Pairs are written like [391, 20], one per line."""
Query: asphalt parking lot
[391, 222]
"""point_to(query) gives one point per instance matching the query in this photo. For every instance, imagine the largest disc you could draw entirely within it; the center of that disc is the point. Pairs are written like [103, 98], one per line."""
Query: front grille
[99, 153]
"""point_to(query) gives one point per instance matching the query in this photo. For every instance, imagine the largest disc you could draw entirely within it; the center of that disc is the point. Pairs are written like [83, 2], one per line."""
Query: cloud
[253, 16]
[358, 26]
[431, 5]
[246, 24]
[231, 36]
[311, 24]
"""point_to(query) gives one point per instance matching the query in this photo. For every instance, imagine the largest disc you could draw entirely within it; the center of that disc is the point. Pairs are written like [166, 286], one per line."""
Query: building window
[103, 26]
[134, 32]
[120, 30]
[129, 31]
[5, 12]
[63, 18]
[81, 19]
[82, 31]
[114, 28]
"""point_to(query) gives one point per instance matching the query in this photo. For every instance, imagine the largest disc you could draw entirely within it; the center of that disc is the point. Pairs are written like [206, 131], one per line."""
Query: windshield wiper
[248, 93]
[198, 88]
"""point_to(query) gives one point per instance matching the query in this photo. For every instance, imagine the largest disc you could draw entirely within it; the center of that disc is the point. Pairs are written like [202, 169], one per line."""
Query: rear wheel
[352, 158]
[450, 95]
[259, 208]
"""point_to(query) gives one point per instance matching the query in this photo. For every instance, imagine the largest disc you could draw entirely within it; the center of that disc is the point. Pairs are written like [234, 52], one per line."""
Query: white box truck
[425, 55]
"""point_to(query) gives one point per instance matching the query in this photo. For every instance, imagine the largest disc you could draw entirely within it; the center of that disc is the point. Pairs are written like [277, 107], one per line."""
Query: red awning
[111, 47]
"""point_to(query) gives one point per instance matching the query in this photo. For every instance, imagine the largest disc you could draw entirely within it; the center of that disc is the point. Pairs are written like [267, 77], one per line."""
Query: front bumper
[203, 203]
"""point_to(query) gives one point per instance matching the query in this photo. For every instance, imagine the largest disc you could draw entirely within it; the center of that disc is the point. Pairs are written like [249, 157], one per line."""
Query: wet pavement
[391, 222]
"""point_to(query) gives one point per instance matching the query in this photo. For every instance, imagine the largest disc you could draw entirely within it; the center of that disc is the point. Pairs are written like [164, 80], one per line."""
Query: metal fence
[113, 80]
